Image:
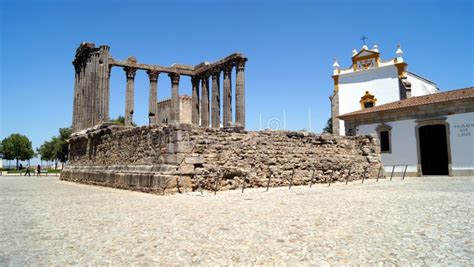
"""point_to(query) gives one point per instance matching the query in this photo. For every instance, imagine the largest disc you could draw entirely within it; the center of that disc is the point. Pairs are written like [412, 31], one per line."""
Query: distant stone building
[371, 81]
[185, 110]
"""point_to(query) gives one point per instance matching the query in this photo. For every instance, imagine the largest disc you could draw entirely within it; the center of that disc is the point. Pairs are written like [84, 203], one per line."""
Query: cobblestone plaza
[421, 221]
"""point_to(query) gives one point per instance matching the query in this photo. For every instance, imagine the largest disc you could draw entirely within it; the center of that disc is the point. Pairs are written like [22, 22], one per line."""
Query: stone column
[174, 109]
[240, 93]
[152, 99]
[129, 96]
[227, 96]
[195, 101]
[216, 99]
[205, 100]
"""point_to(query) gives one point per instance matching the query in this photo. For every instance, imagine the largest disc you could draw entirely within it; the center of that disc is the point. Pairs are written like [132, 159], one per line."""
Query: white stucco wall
[404, 146]
[462, 140]
[381, 82]
[420, 87]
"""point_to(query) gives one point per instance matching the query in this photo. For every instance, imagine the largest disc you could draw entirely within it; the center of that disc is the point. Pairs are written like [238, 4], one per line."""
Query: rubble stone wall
[175, 158]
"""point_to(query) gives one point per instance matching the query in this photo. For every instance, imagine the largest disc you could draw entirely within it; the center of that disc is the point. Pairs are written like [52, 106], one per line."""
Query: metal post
[215, 185]
[291, 179]
[378, 174]
[269, 179]
[243, 184]
[330, 178]
[363, 175]
[312, 177]
[347, 176]
[404, 172]
[391, 175]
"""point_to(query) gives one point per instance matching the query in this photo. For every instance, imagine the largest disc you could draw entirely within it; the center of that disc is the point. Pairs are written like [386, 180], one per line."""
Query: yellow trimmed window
[368, 100]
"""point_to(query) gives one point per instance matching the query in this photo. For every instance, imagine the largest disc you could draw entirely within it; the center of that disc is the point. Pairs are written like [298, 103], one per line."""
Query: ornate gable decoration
[365, 59]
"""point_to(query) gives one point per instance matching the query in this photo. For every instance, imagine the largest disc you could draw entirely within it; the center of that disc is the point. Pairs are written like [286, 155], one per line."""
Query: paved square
[425, 220]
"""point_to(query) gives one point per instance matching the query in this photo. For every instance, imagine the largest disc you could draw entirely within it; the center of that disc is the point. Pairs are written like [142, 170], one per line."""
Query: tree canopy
[17, 147]
[328, 128]
[57, 148]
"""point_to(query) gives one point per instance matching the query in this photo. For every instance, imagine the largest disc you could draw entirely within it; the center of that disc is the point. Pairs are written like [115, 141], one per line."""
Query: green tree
[120, 120]
[56, 149]
[328, 128]
[17, 147]
[62, 146]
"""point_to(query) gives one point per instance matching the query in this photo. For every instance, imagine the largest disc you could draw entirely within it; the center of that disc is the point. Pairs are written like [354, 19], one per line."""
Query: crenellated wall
[163, 158]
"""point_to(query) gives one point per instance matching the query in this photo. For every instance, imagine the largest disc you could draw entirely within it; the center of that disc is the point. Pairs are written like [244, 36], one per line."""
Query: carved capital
[153, 75]
[215, 73]
[241, 64]
[174, 78]
[130, 72]
[195, 80]
[228, 69]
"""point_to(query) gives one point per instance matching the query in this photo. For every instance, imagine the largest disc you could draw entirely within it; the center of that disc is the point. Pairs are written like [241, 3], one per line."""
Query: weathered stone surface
[150, 158]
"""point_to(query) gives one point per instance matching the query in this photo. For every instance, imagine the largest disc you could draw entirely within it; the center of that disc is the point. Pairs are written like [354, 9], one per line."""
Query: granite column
[130, 95]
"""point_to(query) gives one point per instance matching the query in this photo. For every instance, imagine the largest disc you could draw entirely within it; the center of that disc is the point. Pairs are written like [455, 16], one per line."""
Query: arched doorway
[433, 149]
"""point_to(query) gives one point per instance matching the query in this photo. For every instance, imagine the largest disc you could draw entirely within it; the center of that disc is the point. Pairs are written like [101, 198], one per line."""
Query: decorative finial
[354, 52]
[399, 53]
[335, 65]
[375, 48]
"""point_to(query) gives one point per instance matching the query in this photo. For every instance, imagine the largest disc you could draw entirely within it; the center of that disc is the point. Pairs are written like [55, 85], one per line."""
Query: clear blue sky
[290, 46]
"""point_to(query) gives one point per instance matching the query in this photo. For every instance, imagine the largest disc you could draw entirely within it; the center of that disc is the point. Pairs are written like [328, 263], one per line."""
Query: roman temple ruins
[210, 152]
[91, 89]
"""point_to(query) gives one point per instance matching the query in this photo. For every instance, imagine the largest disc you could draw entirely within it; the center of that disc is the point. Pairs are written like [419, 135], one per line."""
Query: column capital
[195, 79]
[153, 75]
[215, 73]
[174, 78]
[228, 68]
[240, 63]
[130, 72]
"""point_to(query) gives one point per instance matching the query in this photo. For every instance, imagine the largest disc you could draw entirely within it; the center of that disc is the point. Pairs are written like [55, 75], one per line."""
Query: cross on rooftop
[364, 38]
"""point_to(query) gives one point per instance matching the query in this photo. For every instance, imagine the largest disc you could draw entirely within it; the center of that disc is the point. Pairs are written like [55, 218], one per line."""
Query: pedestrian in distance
[20, 168]
[38, 170]
[27, 170]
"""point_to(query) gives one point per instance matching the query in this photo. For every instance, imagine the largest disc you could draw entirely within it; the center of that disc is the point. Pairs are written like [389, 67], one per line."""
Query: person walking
[38, 170]
[20, 168]
[27, 170]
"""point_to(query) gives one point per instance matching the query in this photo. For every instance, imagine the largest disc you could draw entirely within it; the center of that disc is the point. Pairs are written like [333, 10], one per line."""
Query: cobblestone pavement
[421, 221]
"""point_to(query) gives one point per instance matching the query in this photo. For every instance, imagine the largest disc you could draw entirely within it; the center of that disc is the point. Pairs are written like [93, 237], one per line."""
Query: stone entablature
[91, 88]
[161, 158]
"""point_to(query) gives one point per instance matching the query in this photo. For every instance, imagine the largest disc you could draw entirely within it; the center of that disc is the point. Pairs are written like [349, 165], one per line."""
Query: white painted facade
[376, 81]
[404, 143]
[420, 86]
[383, 79]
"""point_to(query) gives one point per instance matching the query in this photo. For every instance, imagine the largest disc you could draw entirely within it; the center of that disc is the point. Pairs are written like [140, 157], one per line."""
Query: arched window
[368, 100]
[385, 136]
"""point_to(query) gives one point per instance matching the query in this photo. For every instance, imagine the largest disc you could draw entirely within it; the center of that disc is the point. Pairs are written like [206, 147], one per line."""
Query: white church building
[429, 132]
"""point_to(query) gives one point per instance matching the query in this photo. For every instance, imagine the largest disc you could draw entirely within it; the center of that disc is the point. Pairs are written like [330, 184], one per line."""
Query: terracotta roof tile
[417, 101]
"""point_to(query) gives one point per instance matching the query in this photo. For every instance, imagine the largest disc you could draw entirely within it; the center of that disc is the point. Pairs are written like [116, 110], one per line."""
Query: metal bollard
[215, 185]
[243, 184]
[364, 175]
[391, 175]
[291, 179]
[347, 176]
[312, 177]
[330, 178]
[378, 174]
[269, 180]
[404, 172]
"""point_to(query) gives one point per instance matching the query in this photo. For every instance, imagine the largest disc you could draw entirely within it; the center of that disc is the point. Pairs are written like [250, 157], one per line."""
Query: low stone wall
[170, 158]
